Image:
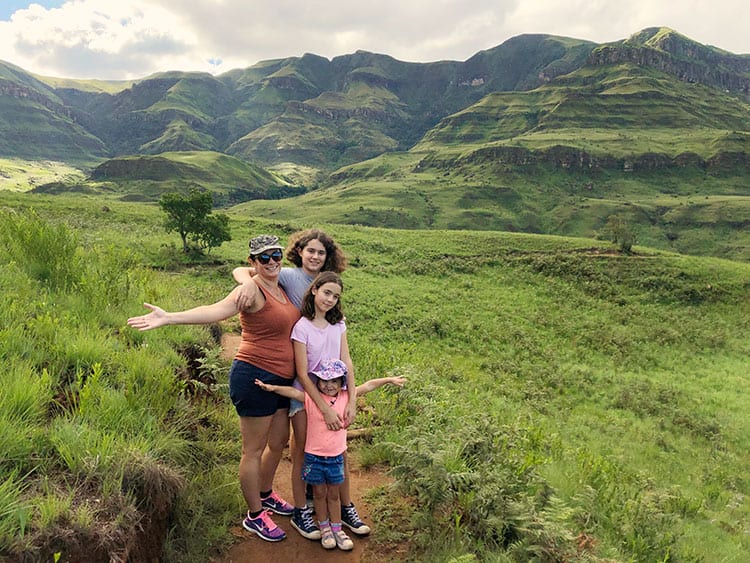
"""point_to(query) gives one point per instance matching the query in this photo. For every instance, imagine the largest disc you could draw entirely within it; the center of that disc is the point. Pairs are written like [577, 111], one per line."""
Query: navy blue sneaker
[302, 521]
[350, 519]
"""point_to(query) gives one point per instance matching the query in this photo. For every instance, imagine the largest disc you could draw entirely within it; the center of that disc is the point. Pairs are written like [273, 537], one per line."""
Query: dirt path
[251, 549]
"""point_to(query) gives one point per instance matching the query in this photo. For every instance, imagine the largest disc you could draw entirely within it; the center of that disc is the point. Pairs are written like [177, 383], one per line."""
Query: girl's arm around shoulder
[243, 274]
[247, 291]
[373, 384]
[284, 391]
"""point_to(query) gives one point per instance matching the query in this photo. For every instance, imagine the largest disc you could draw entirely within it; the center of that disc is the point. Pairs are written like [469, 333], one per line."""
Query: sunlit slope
[610, 112]
[144, 177]
[36, 125]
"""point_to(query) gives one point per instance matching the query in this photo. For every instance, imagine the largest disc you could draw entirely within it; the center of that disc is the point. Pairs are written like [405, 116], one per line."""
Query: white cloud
[133, 38]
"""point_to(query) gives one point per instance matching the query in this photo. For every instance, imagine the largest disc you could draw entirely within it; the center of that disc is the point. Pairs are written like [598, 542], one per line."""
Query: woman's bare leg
[277, 439]
[345, 491]
[254, 431]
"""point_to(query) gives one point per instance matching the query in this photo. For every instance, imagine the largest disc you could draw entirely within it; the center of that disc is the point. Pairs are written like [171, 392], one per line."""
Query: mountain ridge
[328, 113]
[540, 134]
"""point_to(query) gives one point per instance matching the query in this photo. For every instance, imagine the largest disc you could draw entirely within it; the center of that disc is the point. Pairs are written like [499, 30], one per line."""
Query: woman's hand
[333, 421]
[156, 318]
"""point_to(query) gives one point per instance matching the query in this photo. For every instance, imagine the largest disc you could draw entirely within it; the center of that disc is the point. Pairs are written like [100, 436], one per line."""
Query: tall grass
[95, 426]
[48, 253]
[564, 402]
[583, 382]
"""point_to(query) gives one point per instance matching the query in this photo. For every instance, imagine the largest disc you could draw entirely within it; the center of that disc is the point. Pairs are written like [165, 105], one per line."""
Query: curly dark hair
[334, 314]
[335, 258]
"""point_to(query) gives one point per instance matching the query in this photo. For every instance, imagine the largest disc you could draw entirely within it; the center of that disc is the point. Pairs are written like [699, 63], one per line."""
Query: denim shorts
[247, 397]
[320, 470]
[295, 406]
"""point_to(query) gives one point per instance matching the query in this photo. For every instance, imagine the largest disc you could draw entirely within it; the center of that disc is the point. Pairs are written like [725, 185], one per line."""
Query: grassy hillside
[309, 111]
[36, 125]
[147, 178]
[85, 85]
[541, 134]
[31, 129]
[565, 402]
[687, 210]
[22, 175]
[617, 140]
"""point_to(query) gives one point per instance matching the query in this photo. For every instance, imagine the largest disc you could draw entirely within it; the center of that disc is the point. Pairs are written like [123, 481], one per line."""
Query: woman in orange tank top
[265, 353]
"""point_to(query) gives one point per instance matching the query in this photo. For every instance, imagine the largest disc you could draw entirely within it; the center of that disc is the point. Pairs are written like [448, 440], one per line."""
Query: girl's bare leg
[320, 499]
[345, 491]
[334, 503]
[299, 424]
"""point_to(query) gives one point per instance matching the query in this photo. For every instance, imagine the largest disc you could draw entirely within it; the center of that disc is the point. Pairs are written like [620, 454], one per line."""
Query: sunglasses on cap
[264, 258]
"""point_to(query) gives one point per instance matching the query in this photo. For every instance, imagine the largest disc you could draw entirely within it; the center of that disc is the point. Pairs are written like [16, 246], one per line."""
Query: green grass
[679, 210]
[18, 175]
[560, 394]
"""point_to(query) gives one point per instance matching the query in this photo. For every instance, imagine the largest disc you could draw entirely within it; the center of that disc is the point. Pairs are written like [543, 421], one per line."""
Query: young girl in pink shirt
[323, 464]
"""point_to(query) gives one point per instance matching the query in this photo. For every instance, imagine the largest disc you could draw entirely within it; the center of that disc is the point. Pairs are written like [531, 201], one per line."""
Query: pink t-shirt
[320, 440]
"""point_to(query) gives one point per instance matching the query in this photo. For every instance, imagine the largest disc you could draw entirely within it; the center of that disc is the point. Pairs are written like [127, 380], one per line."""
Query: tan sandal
[327, 539]
[343, 541]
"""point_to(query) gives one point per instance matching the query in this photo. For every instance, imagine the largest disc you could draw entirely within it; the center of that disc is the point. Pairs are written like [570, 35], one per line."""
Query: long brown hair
[334, 314]
[335, 258]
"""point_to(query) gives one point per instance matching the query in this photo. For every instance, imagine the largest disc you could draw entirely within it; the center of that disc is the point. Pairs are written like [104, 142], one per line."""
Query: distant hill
[148, 177]
[670, 155]
[35, 123]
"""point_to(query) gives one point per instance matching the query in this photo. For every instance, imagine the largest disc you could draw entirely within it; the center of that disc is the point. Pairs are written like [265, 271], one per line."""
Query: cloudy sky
[124, 39]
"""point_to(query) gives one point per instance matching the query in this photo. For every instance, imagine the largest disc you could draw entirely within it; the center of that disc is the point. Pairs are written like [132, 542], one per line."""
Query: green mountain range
[540, 134]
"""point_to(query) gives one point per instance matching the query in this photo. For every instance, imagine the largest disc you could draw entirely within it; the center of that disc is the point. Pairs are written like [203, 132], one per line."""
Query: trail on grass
[249, 548]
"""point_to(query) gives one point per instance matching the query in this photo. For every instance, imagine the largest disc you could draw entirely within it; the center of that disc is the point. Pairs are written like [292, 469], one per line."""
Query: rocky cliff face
[574, 158]
[20, 91]
[674, 54]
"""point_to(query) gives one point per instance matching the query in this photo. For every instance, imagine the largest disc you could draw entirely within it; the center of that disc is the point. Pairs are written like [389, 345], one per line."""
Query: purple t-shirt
[322, 343]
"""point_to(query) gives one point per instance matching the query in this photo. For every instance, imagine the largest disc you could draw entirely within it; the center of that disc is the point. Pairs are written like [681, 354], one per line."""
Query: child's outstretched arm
[373, 384]
[283, 390]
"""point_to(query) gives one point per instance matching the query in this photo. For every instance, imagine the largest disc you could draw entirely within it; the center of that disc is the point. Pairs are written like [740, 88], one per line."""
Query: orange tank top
[266, 336]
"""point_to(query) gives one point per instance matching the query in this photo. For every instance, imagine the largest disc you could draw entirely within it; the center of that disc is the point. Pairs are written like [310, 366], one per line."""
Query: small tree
[619, 231]
[215, 230]
[190, 215]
